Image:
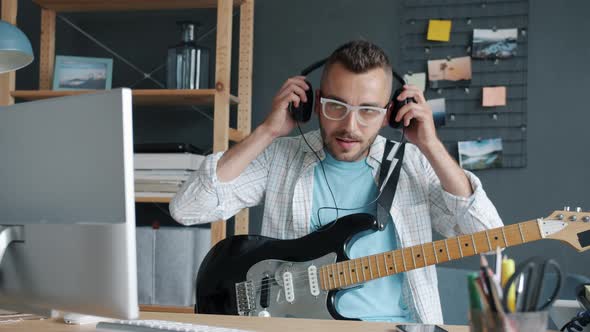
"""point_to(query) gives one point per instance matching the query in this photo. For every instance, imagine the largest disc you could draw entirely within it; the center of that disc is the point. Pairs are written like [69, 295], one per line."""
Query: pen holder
[480, 321]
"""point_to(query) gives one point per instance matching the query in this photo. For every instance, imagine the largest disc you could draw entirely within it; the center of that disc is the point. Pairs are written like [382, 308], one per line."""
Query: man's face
[346, 139]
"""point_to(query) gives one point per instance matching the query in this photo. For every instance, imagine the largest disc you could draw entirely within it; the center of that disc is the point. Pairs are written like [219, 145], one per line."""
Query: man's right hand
[279, 122]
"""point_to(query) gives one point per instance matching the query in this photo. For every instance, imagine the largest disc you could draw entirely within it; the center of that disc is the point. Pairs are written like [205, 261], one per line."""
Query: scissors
[533, 271]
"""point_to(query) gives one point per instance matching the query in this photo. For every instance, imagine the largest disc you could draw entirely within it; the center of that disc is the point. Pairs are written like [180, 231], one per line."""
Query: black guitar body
[229, 262]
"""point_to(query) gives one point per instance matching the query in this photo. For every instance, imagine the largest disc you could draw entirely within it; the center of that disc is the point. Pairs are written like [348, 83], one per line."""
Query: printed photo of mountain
[480, 154]
[490, 44]
[82, 73]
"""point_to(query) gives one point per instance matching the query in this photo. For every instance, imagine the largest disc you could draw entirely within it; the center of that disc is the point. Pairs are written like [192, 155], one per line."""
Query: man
[299, 191]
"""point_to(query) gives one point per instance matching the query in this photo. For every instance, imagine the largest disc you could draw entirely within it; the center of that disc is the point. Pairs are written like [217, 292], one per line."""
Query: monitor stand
[9, 234]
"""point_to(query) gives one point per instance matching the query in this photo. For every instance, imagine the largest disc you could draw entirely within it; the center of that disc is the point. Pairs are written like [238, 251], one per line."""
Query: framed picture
[82, 73]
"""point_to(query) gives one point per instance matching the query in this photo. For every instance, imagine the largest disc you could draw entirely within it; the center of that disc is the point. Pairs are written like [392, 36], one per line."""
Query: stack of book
[162, 174]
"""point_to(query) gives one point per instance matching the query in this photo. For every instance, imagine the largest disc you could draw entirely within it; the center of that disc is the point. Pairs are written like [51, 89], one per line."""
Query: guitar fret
[378, 269]
[460, 250]
[434, 250]
[474, 245]
[404, 259]
[370, 267]
[489, 242]
[393, 258]
[338, 273]
[363, 268]
[325, 277]
[505, 238]
[521, 235]
[356, 270]
[423, 254]
[344, 275]
[447, 246]
[334, 277]
[413, 259]
[385, 262]
[350, 273]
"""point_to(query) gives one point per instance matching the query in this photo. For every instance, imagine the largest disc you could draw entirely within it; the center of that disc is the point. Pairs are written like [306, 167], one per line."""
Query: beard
[356, 153]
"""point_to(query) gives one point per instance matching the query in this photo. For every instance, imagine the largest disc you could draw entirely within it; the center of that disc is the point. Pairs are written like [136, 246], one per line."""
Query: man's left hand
[417, 118]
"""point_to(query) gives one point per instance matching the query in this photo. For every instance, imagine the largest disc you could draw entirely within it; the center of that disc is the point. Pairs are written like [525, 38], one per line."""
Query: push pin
[496, 61]
[523, 128]
[495, 116]
[448, 58]
[467, 91]
[495, 28]
[468, 21]
[426, 49]
[483, 5]
[439, 91]
[452, 117]
[523, 32]
[412, 22]
[468, 49]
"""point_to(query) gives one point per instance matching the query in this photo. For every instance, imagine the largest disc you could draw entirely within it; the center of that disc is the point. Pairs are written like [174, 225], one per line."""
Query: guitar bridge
[245, 298]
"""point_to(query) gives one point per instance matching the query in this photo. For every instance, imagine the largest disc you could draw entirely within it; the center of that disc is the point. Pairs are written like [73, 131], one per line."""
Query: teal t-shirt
[353, 186]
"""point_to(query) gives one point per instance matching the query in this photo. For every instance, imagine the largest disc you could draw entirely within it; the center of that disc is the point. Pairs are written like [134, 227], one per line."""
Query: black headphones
[303, 112]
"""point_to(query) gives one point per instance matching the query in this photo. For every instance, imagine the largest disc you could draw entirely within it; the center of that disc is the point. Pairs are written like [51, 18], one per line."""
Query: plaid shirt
[282, 176]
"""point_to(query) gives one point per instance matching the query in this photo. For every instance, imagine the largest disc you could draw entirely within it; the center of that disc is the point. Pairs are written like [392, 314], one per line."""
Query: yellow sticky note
[439, 30]
[494, 96]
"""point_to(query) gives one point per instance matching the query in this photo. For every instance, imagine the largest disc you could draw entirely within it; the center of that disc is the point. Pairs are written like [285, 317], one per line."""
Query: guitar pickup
[245, 300]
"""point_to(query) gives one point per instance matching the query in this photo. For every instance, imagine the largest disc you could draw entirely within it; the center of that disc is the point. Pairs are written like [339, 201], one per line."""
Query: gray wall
[288, 37]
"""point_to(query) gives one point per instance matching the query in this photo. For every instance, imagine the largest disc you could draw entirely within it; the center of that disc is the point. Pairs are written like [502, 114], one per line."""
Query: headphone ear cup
[394, 107]
[303, 112]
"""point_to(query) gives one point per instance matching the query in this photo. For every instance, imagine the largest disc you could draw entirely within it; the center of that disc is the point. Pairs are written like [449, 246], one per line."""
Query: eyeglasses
[337, 110]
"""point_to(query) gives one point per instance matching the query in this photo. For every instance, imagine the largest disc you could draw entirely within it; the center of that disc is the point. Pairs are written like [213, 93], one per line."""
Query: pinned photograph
[450, 72]
[417, 79]
[480, 154]
[438, 111]
[494, 44]
[82, 73]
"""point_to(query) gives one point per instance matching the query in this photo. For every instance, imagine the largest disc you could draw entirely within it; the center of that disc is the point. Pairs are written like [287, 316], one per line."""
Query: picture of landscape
[449, 73]
[438, 111]
[490, 44]
[480, 154]
[82, 73]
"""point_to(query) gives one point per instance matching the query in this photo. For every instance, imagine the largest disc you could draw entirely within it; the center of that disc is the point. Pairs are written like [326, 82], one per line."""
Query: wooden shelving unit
[150, 97]
[219, 97]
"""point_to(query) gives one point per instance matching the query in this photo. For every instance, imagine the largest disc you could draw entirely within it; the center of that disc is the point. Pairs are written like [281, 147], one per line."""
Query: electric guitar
[259, 276]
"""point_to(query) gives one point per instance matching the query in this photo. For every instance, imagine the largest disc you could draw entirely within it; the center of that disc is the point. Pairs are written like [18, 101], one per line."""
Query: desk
[247, 323]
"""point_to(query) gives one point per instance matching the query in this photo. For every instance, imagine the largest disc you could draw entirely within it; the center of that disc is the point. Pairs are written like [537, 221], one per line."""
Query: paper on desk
[494, 96]
[439, 30]
[417, 79]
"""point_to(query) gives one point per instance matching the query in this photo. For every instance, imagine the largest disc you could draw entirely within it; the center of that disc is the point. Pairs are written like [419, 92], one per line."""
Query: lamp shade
[15, 48]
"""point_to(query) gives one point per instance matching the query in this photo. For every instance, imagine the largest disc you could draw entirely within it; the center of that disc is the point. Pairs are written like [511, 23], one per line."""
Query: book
[158, 187]
[170, 161]
[157, 175]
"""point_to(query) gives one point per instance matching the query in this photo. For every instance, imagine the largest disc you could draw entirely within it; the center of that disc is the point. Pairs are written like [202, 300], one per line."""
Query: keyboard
[159, 325]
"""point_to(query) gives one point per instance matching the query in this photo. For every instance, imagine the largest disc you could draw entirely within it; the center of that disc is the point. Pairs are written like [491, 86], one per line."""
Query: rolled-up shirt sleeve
[204, 198]
[453, 215]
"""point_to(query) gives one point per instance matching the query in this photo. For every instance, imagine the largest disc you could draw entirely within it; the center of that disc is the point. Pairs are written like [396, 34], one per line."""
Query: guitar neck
[363, 269]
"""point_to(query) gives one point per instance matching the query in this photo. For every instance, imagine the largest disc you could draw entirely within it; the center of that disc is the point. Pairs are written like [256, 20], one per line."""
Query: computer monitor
[67, 205]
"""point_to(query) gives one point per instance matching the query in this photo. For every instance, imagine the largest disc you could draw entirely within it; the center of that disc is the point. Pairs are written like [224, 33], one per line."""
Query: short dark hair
[359, 56]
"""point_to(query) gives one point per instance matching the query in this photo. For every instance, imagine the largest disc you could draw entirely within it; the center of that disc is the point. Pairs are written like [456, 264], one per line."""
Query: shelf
[153, 199]
[151, 97]
[128, 5]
